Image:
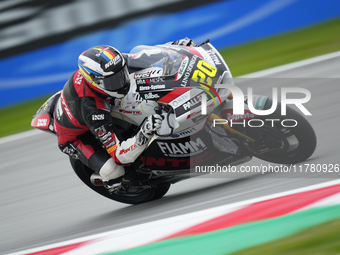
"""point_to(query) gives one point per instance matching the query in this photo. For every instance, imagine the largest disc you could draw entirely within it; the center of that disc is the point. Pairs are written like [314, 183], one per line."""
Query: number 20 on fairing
[205, 69]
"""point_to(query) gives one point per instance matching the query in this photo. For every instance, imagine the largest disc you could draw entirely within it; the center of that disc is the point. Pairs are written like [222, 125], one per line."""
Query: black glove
[70, 149]
[153, 123]
[185, 42]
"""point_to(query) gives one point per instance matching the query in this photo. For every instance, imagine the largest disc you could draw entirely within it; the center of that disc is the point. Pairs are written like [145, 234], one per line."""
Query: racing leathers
[86, 131]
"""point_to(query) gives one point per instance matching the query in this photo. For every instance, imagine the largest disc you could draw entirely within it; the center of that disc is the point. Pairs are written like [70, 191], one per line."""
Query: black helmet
[105, 69]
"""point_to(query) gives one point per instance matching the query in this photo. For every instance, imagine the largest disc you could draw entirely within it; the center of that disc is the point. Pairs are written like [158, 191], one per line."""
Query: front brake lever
[202, 43]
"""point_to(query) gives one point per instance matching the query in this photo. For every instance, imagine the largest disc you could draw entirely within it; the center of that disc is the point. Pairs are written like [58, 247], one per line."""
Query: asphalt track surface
[43, 202]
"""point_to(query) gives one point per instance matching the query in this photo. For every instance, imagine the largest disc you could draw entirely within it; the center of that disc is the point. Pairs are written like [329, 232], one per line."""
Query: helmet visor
[117, 81]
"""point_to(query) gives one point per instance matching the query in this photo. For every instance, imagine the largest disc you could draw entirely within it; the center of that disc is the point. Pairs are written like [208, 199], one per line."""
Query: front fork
[216, 119]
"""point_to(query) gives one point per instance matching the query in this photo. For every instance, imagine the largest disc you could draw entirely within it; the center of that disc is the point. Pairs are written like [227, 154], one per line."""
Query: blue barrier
[226, 23]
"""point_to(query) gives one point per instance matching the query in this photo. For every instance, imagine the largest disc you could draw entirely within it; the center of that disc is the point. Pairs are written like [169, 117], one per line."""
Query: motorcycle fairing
[184, 79]
[258, 102]
[43, 122]
[183, 153]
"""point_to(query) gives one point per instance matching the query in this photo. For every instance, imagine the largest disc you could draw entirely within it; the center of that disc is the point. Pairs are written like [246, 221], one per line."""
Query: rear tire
[138, 197]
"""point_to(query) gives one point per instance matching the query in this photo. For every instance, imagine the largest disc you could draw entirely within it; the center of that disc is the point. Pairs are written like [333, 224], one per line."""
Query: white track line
[293, 65]
[249, 18]
[262, 73]
[147, 230]
[12, 138]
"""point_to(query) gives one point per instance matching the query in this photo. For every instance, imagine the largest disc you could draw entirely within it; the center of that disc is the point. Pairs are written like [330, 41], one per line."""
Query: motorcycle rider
[83, 122]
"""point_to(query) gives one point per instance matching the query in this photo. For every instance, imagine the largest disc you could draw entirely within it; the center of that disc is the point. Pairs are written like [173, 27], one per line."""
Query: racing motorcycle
[185, 86]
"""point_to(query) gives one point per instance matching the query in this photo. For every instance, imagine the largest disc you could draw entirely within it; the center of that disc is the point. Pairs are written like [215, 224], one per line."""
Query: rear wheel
[135, 196]
[282, 144]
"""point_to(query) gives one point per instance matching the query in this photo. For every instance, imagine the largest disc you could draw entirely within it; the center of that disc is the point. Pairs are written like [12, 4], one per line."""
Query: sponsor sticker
[113, 61]
[151, 96]
[142, 75]
[98, 117]
[45, 106]
[112, 149]
[152, 73]
[182, 149]
[248, 115]
[105, 136]
[130, 112]
[184, 133]
[182, 68]
[192, 102]
[214, 57]
[150, 80]
[179, 100]
[132, 147]
[110, 144]
[42, 123]
[188, 71]
[79, 79]
[151, 87]
[107, 140]
[101, 131]
[65, 107]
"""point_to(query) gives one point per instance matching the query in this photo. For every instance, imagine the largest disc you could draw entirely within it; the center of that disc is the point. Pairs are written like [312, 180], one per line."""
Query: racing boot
[109, 174]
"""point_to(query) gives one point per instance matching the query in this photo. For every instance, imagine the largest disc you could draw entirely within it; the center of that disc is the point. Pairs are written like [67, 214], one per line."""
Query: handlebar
[202, 43]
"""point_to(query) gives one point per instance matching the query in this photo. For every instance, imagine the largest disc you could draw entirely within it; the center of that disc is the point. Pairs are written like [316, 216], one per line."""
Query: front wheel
[280, 141]
[137, 196]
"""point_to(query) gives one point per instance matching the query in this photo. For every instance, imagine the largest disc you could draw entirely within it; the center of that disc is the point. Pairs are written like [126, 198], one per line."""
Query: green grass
[283, 49]
[18, 118]
[254, 56]
[322, 239]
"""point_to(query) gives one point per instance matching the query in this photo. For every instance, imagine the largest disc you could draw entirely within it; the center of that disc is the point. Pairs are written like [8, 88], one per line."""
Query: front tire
[292, 144]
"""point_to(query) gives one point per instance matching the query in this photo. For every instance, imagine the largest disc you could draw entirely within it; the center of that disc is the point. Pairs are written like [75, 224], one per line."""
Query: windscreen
[142, 57]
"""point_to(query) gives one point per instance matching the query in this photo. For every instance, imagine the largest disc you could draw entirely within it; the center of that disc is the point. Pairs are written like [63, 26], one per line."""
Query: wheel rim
[283, 136]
